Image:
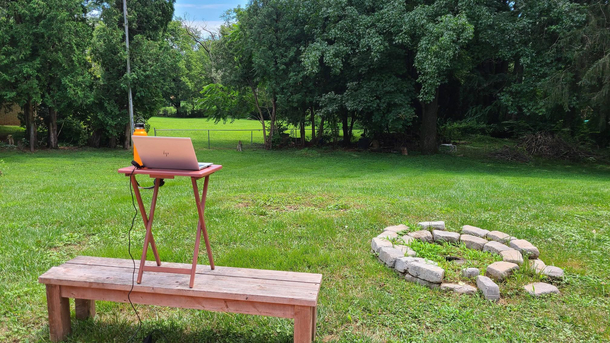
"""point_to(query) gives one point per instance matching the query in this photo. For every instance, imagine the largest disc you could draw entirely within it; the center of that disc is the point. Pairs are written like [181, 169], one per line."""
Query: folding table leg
[134, 184]
[148, 238]
[201, 228]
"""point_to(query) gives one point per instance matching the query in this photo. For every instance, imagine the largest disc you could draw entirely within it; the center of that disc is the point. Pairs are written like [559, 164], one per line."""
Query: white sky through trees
[205, 13]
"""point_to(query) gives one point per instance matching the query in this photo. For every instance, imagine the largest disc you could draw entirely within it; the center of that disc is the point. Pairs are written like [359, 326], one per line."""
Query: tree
[191, 63]
[20, 60]
[438, 34]
[362, 72]
[64, 73]
[236, 68]
[272, 32]
[42, 59]
[151, 63]
[580, 85]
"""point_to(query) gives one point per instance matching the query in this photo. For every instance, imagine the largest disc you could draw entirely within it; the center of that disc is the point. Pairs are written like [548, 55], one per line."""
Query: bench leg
[304, 317]
[59, 314]
[84, 308]
[314, 318]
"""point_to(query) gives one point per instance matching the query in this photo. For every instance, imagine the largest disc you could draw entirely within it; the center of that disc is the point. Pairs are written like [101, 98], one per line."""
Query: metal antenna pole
[128, 65]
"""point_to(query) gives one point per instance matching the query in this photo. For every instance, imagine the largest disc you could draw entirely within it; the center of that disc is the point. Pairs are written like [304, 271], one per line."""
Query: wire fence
[229, 139]
[217, 138]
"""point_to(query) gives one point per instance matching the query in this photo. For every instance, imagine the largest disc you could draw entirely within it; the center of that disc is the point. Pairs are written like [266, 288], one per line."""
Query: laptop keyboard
[204, 165]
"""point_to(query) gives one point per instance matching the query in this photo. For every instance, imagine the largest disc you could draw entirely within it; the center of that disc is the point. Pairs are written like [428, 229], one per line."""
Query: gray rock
[438, 225]
[426, 272]
[430, 262]
[402, 263]
[474, 231]
[377, 243]
[471, 272]
[445, 236]
[388, 234]
[495, 247]
[537, 265]
[419, 281]
[501, 270]
[473, 242]
[525, 247]
[397, 228]
[405, 250]
[498, 236]
[422, 235]
[389, 255]
[540, 288]
[457, 288]
[512, 256]
[407, 239]
[490, 290]
[553, 272]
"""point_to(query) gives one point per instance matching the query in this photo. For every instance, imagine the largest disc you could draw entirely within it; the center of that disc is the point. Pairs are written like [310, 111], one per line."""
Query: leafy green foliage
[152, 63]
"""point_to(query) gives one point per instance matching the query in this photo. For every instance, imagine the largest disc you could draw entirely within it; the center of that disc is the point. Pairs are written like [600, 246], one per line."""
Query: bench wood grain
[224, 289]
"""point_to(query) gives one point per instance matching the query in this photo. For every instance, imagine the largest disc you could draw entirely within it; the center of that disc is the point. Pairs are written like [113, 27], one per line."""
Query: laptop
[167, 153]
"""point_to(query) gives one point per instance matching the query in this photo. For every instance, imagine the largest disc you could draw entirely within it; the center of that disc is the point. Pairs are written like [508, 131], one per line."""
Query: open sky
[205, 13]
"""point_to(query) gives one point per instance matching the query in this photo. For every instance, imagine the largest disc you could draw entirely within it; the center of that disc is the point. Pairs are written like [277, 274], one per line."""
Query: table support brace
[201, 227]
[149, 239]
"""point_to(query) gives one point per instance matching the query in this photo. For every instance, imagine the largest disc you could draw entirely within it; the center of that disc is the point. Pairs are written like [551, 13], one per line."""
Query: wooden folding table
[158, 175]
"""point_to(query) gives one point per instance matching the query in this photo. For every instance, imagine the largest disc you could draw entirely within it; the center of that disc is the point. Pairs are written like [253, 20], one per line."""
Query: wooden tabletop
[170, 173]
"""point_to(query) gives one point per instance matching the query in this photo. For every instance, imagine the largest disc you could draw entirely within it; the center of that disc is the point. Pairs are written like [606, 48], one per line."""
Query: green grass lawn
[218, 138]
[310, 211]
[222, 135]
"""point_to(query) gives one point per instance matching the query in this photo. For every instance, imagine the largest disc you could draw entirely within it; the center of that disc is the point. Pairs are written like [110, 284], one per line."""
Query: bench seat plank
[204, 269]
[206, 285]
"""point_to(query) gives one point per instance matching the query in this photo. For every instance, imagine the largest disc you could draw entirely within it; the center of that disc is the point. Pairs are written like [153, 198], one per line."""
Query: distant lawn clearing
[311, 211]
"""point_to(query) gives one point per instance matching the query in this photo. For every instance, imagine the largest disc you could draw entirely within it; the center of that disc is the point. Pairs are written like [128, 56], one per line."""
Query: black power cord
[140, 166]
[148, 338]
[133, 273]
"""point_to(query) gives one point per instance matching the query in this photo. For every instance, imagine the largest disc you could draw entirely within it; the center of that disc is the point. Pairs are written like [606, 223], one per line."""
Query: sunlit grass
[311, 211]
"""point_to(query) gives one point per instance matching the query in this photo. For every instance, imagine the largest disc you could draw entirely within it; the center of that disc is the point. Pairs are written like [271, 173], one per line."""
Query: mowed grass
[244, 130]
[311, 211]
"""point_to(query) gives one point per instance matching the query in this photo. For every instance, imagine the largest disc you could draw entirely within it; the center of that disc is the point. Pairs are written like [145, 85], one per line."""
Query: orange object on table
[139, 131]
[159, 174]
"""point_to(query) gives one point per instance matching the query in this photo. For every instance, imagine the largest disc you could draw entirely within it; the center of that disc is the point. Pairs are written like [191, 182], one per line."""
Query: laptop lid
[166, 152]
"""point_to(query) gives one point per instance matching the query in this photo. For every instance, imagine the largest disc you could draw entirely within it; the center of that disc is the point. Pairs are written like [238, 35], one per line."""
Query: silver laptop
[167, 153]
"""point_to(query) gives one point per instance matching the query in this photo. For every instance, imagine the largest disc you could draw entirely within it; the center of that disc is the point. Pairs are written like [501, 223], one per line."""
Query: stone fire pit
[392, 248]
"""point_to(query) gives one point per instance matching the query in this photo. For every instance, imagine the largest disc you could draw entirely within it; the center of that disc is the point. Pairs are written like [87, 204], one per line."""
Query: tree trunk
[602, 127]
[261, 117]
[321, 128]
[30, 124]
[272, 123]
[127, 142]
[178, 109]
[346, 134]
[313, 125]
[95, 139]
[351, 126]
[53, 142]
[112, 142]
[303, 133]
[428, 126]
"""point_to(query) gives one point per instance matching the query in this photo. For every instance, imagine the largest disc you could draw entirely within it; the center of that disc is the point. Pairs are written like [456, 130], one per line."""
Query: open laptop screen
[167, 152]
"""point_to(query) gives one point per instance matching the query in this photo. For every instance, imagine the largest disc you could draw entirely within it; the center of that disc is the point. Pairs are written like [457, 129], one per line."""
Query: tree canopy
[398, 71]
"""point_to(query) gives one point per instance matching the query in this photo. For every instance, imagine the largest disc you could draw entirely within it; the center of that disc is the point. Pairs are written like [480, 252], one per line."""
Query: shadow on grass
[166, 331]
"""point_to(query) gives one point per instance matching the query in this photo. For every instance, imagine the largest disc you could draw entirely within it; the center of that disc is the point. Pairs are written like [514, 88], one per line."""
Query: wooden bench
[239, 290]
